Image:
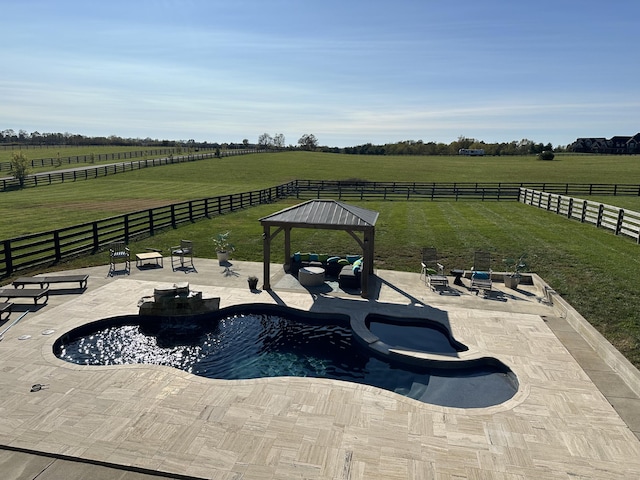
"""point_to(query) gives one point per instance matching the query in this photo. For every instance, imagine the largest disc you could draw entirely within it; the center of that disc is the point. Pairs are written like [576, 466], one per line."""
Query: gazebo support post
[287, 248]
[266, 261]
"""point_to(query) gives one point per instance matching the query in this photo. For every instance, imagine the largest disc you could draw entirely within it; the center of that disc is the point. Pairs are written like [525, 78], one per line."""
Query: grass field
[66, 152]
[591, 268]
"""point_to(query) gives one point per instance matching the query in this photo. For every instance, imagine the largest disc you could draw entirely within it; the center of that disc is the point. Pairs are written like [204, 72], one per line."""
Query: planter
[512, 281]
[253, 283]
[223, 257]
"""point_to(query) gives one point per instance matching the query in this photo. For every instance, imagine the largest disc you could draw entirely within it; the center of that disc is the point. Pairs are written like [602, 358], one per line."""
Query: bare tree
[265, 140]
[278, 140]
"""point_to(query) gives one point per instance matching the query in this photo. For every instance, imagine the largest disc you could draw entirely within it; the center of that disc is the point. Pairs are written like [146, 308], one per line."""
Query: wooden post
[600, 215]
[619, 222]
[266, 260]
[56, 245]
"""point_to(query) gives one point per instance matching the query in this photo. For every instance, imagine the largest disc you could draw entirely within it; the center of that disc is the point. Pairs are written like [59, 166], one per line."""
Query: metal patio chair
[183, 254]
[433, 271]
[119, 253]
[481, 271]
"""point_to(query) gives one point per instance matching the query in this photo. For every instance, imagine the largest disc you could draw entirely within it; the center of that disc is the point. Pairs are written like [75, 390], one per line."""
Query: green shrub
[546, 155]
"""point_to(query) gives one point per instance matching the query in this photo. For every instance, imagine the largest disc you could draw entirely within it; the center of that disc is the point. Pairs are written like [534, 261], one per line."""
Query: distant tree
[308, 141]
[278, 140]
[19, 167]
[245, 142]
[265, 140]
[546, 155]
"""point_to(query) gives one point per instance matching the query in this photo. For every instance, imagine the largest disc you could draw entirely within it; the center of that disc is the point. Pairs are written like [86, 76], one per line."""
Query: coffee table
[141, 258]
[311, 276]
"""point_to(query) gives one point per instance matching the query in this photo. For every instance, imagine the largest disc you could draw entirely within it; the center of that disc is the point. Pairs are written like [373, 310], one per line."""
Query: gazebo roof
[324, 213]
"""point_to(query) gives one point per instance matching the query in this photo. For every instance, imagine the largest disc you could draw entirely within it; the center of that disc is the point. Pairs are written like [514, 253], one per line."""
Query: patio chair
[433, 271]
[182, 253]
[481, 271]
[118, 253]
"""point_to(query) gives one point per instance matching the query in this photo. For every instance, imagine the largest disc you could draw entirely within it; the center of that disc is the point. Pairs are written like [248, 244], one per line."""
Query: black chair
[433, 271]
[182, 253]
[481, 271]
[118, 253]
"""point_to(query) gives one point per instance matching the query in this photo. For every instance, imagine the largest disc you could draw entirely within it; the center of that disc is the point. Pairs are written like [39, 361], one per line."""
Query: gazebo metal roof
[323, 214]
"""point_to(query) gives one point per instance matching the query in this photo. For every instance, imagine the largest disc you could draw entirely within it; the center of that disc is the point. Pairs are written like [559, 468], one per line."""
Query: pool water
[243, 346]
[420, 335]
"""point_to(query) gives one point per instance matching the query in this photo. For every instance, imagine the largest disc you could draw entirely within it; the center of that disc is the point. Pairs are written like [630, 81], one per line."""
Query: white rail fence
[620, 221]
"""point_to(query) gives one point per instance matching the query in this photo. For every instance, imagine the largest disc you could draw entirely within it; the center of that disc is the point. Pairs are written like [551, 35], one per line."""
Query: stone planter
[512, 281]
[223, 257]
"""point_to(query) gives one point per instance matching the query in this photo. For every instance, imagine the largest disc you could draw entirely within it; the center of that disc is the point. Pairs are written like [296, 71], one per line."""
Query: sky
[349, 72]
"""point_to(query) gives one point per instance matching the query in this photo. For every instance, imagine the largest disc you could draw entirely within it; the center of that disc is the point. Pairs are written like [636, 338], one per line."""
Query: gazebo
[324, 214]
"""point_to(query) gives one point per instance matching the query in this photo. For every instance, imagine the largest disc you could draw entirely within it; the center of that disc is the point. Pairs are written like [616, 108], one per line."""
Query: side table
[458, 274]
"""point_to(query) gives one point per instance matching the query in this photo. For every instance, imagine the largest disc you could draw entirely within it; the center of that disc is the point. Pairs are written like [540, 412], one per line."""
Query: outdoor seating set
[345, 269]
[181, 255]
[432, 271]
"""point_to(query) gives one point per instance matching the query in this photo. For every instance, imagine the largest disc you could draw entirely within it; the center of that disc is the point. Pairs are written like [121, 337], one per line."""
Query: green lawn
[54, 151]
[66, 152]
[49, 207]
[591, 268]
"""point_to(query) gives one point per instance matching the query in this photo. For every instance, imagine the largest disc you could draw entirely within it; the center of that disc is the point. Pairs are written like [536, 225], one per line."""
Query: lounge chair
[33, 293]
[433, 271]
[118, 253]
[45, 281]
[182, 253]
[481, 271]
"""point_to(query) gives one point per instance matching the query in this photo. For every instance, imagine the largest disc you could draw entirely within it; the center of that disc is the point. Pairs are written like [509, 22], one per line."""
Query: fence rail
[38, 249]
[618, 220]
[97, 157]
[86, 173]
[46, 248]
[362, 190]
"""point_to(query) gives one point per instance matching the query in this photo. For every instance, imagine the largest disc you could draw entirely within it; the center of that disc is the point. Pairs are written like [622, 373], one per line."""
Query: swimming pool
[255, 342]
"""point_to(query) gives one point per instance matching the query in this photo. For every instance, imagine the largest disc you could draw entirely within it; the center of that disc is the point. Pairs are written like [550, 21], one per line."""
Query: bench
[5, 308]
[34, 293]
[45, 281]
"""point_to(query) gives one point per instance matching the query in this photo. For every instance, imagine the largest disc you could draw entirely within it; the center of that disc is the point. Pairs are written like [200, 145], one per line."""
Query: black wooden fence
[362, 190]
[46, 248]
[85, 173]
[97, 157]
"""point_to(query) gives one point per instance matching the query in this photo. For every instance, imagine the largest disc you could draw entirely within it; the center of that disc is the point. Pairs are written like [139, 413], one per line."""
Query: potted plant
[253, 282]
[513, 274]
[223, 246]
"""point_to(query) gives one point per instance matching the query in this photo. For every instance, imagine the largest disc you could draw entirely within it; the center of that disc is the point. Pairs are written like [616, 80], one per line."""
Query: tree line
[308, 141]
[22, 137]
[418, 147]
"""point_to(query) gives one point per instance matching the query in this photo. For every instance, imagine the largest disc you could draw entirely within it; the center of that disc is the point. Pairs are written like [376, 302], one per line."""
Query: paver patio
[155, 419]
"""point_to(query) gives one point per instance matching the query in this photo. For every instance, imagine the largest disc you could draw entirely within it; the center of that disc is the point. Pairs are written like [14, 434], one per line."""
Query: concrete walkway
[572, 417]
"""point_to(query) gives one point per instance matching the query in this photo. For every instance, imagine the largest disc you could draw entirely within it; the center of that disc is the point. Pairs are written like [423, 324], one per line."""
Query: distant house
[620, 145]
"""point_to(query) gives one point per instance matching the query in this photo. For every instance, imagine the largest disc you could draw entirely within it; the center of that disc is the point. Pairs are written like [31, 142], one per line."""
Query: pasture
[591, 268]
[88, 156]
